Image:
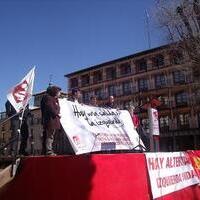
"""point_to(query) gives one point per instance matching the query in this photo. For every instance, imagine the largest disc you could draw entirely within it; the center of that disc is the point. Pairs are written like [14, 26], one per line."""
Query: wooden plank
[5, 176]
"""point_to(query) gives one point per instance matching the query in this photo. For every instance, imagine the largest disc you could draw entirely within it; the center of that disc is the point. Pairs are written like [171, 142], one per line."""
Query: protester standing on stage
[14, 126]
[93, 101]
[50, 117]
[24, 131]
[134, 116]
[144, 136]
[76, 95]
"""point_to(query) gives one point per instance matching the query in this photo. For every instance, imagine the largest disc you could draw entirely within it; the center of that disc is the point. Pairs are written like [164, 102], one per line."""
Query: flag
[21, 93]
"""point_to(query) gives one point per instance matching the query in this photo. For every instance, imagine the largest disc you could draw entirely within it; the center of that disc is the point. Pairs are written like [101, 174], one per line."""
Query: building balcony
[164, 129]
[183, 126]
[96, 81]
[121, 75]
[110, 76]
[182, 104]
[160, 86]
[179, 82]
[127, 92]
[85, 84]
[145, 89]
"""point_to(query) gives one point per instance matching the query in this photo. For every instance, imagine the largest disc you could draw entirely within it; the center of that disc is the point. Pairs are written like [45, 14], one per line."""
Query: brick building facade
[161, 73]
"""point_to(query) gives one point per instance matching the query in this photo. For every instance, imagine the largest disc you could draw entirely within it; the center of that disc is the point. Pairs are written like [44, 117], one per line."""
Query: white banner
[94, 129]
[170, 172]
[153, 121]
[20, 94]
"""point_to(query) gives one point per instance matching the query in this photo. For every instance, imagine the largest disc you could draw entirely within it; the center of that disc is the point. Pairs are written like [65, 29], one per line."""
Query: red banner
[87, 177]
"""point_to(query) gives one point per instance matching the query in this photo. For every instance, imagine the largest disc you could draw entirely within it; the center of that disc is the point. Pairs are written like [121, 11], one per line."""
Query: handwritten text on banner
[93, 128]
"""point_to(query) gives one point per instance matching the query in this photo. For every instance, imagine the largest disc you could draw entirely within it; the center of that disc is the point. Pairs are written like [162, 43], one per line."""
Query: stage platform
[86, 177]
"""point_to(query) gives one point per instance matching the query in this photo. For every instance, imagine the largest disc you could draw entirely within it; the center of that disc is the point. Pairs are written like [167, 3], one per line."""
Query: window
[160, 80]
[127, 87]
[97, 76]
[119, 90]
[111, 90]
[181, 98]
[99, 93]
[164, 100]
[176, 57]
[3, 128]
[158, 61]
[164, 121]
[183, 120]
[2, 115]
[125, 69]
[111, 73]
[74, 82]
[85, 80]
[179, 77]
[141, 65]
[86, 97]
[142, 85]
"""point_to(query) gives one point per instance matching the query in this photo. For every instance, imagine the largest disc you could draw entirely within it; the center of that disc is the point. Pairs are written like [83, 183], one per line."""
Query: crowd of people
[50, 110]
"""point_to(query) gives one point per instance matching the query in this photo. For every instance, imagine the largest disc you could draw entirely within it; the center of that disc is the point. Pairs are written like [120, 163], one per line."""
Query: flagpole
[148, 28]
[15, 98]
[19, 131]
[21, 121]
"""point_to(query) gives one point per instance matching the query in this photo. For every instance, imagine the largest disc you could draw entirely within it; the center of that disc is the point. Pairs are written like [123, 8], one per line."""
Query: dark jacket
[10, 111]
[50, 112]
[111, 105]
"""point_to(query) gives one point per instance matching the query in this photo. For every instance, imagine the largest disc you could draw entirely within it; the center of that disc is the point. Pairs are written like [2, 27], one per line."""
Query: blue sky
[62, 36]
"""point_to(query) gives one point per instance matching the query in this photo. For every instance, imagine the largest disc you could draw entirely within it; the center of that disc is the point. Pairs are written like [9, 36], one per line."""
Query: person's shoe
[25, 154]
[51, 153]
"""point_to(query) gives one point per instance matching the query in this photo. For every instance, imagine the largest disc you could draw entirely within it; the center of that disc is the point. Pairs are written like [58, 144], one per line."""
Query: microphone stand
[139, 130]
[95, 138]
[141, 147]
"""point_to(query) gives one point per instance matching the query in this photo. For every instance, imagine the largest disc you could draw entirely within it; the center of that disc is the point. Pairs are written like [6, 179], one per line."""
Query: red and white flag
[20, 94]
